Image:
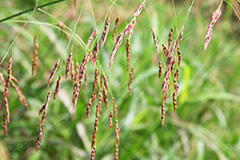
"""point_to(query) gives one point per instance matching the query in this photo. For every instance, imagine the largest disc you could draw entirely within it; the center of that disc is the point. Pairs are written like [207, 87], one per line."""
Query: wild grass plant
[111, 82]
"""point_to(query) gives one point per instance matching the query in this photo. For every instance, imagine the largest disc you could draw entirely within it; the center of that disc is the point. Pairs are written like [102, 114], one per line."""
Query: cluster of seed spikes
[100, 84]
[11, 80]
[44, 111]
[173, 54]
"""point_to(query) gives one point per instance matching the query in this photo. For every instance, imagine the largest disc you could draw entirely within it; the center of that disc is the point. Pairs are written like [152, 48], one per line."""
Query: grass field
[205, 125]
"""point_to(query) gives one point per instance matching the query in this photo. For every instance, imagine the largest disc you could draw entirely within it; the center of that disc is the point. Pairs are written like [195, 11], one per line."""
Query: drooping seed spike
[105, 82]
[77, 88]
[47, 100]
[128, 48]
[117, 45]
[215, 17]
[93, 34]
[63, 28]
[116, 26]
[105, 32]
[95, 128]
[139, 9]
[53, 72]
[95, 53]
[85, 61]
[7, 107]
[5, 123]
[160, 69]
[21, 97]
[42, 121]
[75, 94]
[7, 84]
[68, 64]
[89, 107]
[170, 38]
[155, 40]
[35, 59]
[57, 87]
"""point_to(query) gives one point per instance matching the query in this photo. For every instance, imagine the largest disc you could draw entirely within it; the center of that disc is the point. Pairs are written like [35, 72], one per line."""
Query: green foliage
[205, 125]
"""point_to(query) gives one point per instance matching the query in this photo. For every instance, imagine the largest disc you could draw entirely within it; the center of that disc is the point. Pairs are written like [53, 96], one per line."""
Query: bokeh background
[206, 123]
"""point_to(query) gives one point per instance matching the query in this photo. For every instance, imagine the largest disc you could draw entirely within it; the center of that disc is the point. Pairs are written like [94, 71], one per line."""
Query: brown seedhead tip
[63, 28]
[116, 26]
[35, 59]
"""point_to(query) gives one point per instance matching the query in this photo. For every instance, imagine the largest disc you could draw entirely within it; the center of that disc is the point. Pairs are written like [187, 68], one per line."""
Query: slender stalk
[29, 10]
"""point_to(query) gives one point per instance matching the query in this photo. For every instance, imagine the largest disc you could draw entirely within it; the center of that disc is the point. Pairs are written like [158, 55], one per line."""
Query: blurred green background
[206, 123]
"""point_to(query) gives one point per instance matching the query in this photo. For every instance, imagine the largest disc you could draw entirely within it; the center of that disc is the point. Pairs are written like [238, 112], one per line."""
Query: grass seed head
[105, 32]
[53, 72]
[93, 34]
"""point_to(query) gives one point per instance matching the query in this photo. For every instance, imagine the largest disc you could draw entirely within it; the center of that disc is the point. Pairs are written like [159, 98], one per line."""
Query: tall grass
[204, 125]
